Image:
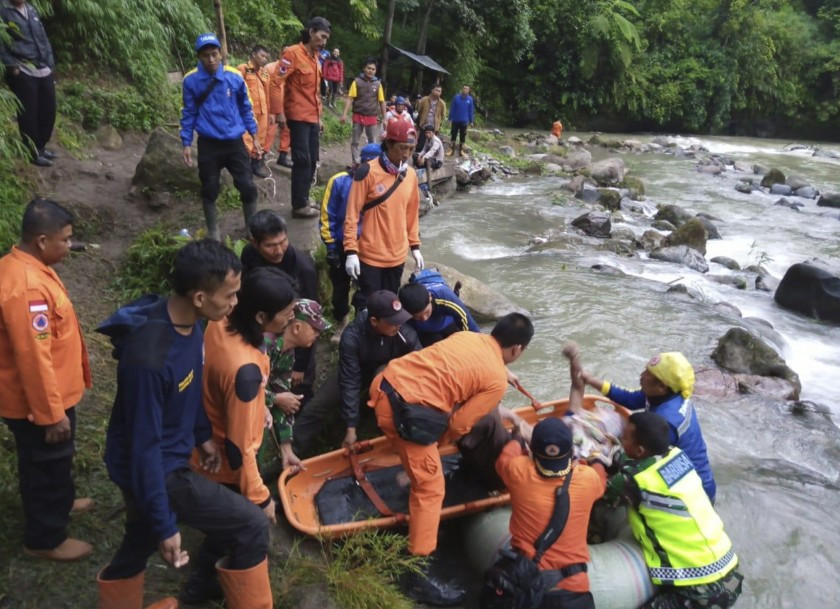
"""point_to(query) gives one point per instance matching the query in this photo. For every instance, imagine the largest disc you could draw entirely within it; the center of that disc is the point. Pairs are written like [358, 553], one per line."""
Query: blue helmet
[370, 152]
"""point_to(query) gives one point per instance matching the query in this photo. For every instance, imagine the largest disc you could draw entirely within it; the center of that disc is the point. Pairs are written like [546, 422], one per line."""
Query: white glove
[352, 266]
[418, 260]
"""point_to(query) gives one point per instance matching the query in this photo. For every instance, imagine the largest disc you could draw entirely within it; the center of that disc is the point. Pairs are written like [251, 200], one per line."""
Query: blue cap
[370, 152]
[400, 100]
[206, 39]
[552, 445]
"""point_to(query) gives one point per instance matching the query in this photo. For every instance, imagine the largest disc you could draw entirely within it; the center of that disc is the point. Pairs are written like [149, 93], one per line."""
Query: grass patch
[148, 263]
[334, 131]
[228, 199]
[359, 571]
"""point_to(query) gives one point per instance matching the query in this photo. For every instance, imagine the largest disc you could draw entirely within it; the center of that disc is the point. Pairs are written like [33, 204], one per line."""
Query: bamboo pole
[220, 28]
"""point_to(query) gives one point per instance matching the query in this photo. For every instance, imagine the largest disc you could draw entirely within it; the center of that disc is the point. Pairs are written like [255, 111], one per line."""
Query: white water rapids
[777, 473]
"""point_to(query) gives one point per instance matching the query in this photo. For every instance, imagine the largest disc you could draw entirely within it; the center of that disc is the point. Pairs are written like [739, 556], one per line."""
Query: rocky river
[777, 464]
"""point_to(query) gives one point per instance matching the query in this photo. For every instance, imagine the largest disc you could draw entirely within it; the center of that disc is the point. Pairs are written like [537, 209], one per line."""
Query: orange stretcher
[355, 469]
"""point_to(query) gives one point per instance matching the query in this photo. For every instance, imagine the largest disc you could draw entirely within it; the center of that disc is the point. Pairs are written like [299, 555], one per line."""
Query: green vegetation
[147, 263]
[334, 131]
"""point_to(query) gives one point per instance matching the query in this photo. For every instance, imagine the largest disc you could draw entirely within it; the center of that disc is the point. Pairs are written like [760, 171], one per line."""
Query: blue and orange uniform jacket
[334, 210]
[449, 315]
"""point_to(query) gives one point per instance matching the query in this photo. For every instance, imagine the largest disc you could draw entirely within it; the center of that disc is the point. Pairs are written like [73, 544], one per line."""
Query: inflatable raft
[344, 492]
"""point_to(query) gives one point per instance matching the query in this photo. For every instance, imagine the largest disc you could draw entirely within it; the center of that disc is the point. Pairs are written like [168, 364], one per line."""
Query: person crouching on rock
[667, 383]
[688, 554]
[385, 193]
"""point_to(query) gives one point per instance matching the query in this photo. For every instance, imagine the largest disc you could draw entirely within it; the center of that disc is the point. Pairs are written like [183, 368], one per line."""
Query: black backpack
[514, 581]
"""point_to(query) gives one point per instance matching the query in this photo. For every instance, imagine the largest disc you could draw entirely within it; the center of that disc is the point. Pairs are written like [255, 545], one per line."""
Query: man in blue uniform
[436, 310]
[667, 383]
[461, 115]
[216, 105]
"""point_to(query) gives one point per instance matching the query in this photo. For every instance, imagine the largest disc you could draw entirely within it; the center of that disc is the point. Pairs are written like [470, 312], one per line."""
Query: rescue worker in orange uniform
[557, 129]
[533, 479]
[284, 146]
[43, 374]
[434, 396]
[295, 98]
[255, 74]
[385, 193]
[236, 369]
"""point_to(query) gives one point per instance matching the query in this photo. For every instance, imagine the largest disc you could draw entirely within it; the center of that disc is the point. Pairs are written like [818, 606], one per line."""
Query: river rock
[651, 239]
[108, 137]
[760, 169]
[625, 249]
[606, 269]
[665, 141]
[551, 140]
[485, 303]
[623, 234]
[609, 198]
[766, 283]
[594, 224]
[600, 140]
[692, 233]
[682, 254]
[743, 166]
[826, 154]
[728, 309]
[796, 181]
[160, 169]
[780, 189]
[552, 169]
[575, 185]
[634, 186]
[713, 170]
[609, 172]
[574, 141]
[732, 280]
[462, 176]
[553, 158]
[507, 151]
[576, 159]
[786, 203]
[588, 194]
[633, 207]
[744, 187]
[727, 262]
[810, 290]
[741, 352]
[711, 383]
[711, 230]
[674, 214]
[774, 176]
[806, 192]
[829, 199]
[663, 225]
[804, 407]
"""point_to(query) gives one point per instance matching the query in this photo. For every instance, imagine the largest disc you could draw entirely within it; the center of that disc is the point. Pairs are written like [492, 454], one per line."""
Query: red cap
[400, 131]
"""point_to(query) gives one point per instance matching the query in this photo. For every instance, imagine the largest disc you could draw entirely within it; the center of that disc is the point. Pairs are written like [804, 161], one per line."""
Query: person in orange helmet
[434, 396]
[44, 371]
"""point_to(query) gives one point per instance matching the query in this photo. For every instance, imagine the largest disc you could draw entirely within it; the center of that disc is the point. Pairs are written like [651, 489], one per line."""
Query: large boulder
[810, 290]
[781, 189]
[711, 230]
[806, 192]
[610, 199]
[741, 352]
[711, 383]
[161, 170]
[594, 224]
[575, 185]
[609, 172]
[729, 263]
[682, 254]
[109, 138]
[796, 181]
[674, 214]
[774, 176]
[693, 234]
[829, 199]
[486, 304]
[635, 187]
[651, 239]
[577, 158]
[663, 225]
[507, 151]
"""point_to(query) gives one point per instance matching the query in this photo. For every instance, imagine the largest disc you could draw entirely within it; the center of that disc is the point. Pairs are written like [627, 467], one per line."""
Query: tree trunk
[220, 28]
[389, 23]
[421, 42]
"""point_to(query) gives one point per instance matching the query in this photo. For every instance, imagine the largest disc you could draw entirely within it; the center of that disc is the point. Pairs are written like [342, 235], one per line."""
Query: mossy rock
[774, 176]
[610, 199]
[603, 141]
[742, 352]
[674, 214]
[693, 234]
[635, 186]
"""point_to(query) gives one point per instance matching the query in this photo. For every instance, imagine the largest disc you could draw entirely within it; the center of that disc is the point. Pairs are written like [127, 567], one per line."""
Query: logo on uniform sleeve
[38, 306]
[379, 188]
[40, 322]
[186, 382]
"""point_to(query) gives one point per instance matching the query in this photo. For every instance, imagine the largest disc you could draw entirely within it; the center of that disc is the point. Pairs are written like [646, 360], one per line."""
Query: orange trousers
[262, 130]
[285, 139]
[424, 469]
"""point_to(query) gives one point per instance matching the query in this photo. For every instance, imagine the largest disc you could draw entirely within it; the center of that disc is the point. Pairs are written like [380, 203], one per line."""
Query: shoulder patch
[362, 172]
[248, 381]
[233, 454]
[674, 471]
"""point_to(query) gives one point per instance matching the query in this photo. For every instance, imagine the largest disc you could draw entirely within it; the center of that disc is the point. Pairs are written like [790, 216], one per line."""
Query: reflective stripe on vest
[680, 533]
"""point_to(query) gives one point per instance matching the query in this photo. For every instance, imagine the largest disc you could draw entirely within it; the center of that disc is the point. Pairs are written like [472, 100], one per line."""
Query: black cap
[385, 306]
[551, 445]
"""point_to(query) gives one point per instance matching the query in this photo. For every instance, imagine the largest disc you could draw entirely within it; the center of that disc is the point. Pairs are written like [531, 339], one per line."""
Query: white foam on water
[483, 251]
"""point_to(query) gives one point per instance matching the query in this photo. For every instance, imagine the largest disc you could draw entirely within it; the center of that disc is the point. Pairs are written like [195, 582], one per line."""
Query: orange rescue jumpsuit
[463, 375]
[295, 85]
[44, 366]
[285, 139]
[257, 81]
[557, 129]
[234, 398]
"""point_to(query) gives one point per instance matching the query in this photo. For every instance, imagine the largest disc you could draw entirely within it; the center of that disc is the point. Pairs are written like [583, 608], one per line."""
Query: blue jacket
[334, 210]
[449, 315]
[226, 113]
[28, 40]
[462, 109]
[685, 429]
[158, 415]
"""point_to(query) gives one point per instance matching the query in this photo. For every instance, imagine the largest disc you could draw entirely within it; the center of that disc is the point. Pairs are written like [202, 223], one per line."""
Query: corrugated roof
[424, 60]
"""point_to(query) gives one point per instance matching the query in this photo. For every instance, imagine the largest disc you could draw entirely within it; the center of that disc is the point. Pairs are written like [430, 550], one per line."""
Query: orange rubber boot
[246, 588]
[128, 594]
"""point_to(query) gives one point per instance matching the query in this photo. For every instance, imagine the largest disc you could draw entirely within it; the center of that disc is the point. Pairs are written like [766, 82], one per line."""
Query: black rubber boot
[283, 160]
[203, 585]
[430, 590]
[259, 168]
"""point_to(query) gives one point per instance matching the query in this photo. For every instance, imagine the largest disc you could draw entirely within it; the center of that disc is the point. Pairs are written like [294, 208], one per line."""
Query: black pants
[45, 478]
[421, 141]
[36, 117]
[233, 525]
[374, 278]
[458, 129]
[215, 155]
[314, 414]
[563, 599]
[340, 288]
[305, 139]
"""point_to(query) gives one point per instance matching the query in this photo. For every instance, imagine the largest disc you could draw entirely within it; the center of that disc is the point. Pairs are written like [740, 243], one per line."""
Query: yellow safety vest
[680, 533]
